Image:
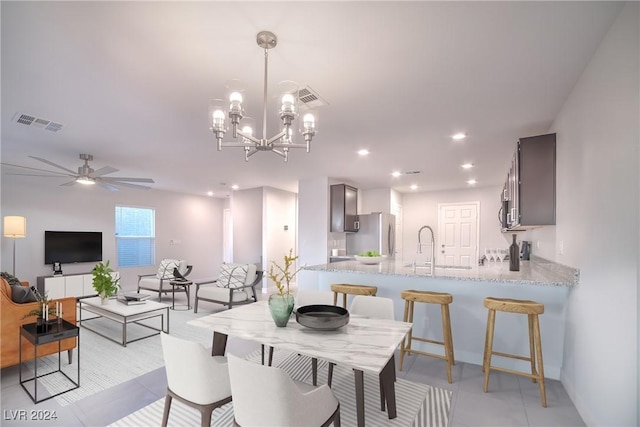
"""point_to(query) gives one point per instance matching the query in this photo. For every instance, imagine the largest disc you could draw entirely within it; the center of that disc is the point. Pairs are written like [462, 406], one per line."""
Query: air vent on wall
[310, 98]
[38, 122]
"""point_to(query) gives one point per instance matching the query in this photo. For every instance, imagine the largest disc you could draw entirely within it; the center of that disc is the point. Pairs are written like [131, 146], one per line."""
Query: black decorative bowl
[322, 317]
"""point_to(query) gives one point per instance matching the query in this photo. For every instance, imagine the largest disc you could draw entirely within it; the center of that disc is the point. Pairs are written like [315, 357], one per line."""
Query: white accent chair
[235, 285]
[267, 396]
[159, 281]
[194, 377]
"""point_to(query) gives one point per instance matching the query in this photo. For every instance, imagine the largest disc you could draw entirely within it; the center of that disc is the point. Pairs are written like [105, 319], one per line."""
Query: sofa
[12, 317]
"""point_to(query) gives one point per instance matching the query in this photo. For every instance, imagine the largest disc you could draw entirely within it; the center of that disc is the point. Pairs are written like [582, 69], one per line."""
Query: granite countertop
[537, 271]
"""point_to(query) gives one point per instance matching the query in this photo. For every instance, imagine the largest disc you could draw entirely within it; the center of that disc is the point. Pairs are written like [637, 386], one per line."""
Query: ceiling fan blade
[35, 174]
[103, 171]
[53, 164]
[68, 184]
[107, 186]
[36, 169]
[117, 178]
[126, 184]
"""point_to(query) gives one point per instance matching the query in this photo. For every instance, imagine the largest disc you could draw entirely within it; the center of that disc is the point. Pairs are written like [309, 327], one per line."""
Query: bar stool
[427, 297]
[352, 290]
[532, 309]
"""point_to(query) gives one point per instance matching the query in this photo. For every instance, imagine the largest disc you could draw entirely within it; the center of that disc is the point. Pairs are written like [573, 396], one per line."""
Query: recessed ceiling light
[459, 136]
[472, 181]
[234, 187]
[209, 193]
[396, 174]
[414, 187]
[467, 166]
[363, 152]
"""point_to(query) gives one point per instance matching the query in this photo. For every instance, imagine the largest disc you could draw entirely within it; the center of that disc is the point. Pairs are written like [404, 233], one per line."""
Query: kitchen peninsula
[540, 280]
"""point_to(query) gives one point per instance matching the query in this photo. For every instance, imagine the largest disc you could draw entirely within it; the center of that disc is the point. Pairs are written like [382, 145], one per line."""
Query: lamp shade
[15, 226]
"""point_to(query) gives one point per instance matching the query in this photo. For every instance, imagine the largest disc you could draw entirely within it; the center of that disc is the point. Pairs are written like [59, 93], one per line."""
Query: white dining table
[364, 344]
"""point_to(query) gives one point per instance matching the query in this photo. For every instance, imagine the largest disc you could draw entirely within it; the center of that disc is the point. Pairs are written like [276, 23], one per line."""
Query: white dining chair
[267, 396]
[306, 297]
[373, 308]
[194, 377]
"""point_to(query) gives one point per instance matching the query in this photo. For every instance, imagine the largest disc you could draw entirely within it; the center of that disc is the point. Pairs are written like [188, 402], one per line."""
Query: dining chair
[307, 297]
[194, 377]
[267, 396]
[373, 308]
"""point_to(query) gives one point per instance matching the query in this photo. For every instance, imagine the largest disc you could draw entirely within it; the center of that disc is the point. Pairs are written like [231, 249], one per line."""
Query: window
[135, 236]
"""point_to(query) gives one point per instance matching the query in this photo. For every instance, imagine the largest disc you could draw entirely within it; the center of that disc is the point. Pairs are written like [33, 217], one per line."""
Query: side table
[186, 285]
[56, 332]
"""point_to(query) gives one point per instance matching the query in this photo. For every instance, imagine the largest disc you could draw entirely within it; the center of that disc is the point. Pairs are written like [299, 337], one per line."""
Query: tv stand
[69, 285]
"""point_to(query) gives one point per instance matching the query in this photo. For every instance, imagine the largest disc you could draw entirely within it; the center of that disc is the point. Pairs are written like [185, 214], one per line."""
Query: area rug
[104, 363]
[418, 405]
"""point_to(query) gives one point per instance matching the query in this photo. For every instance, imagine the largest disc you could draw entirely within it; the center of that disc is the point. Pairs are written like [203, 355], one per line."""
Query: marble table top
[365, 344]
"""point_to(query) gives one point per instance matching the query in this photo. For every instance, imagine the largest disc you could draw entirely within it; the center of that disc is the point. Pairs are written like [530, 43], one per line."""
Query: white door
[458, 233]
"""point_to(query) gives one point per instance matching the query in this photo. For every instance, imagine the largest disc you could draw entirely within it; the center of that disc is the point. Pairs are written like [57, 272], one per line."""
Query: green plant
[282, 276]
[104, 283]
[369, 253]
[42, 299]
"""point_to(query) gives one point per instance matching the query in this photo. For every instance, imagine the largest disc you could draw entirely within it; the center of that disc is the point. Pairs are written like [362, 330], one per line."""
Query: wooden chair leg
[330, 377]
[486, 341]
[344, 300]
[446, 337]
[70, 355]
[453, 357]
[536, 331]
[335, 298]
[532, 348]
[405, 318]
[488, 349]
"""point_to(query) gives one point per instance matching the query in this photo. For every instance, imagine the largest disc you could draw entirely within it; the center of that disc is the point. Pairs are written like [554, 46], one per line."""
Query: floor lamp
[15, 227]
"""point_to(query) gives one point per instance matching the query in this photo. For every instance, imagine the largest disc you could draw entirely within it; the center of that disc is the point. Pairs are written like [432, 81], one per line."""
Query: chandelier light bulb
[288, 103]
[247, 130]
[236, 102]
[218, 119]
[309, 121]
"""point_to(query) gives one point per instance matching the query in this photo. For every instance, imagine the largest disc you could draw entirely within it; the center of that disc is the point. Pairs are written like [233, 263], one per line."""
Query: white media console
[71, 285]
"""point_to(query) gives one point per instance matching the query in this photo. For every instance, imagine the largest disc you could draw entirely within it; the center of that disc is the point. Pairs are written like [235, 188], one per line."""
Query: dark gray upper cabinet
[530, 190]
[344, 208]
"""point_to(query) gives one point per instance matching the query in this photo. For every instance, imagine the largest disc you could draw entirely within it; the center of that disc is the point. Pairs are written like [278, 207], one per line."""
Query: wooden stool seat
[532, 309]
[410, 297]
[346, 289]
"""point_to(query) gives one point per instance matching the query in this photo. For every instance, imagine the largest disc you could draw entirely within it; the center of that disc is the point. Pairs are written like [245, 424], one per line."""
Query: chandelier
[243, 126]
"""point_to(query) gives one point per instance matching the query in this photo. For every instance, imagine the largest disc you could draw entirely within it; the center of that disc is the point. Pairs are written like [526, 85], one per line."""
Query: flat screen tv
[69, 247]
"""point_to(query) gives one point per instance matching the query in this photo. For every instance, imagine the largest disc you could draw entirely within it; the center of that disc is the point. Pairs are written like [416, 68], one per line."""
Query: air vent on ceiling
[412, 172]
[38, 122]
[310, 98]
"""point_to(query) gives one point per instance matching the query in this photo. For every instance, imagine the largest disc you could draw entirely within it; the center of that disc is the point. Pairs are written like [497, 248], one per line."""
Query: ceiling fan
[87, 175]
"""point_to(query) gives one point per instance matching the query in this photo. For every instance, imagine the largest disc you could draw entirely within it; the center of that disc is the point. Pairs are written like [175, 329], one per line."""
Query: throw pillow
[22, 294]
[232, 275]
[11, 279]
[165, 270]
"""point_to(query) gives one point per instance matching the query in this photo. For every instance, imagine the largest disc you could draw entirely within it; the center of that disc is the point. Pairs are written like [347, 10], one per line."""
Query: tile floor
[511, 401]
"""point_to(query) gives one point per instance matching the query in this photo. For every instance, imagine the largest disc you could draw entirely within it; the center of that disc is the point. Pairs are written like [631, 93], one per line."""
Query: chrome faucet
[433, 246]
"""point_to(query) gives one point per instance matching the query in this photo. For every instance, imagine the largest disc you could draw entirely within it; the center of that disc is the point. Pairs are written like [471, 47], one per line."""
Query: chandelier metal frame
[279, 143]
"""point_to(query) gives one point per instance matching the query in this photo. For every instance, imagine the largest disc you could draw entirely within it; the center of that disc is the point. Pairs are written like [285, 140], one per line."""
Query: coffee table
[124, 314]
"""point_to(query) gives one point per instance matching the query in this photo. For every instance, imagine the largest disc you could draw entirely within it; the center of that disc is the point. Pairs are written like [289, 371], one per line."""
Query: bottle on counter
[514, 255]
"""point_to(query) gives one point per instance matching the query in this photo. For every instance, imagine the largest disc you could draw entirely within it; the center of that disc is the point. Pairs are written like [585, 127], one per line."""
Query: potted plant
[281, 304]
[104, 283]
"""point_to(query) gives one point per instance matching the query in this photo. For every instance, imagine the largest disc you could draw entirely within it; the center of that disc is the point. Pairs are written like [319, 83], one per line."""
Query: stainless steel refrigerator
[377, 232]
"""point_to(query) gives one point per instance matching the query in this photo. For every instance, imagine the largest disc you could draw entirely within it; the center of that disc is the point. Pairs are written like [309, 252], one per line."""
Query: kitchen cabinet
[344, 208]
[528, 197]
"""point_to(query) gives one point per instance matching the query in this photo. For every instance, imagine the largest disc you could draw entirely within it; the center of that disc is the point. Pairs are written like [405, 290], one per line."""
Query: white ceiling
[131, 81]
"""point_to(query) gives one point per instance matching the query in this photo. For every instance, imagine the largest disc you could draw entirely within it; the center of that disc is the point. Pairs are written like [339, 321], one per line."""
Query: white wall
[279, 211]
[422, 209]
[597, 222]
[248, 217]
[195, 221]
[313, 225]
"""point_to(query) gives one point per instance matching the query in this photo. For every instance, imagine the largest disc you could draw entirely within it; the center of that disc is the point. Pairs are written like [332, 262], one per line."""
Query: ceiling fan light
[85, 180]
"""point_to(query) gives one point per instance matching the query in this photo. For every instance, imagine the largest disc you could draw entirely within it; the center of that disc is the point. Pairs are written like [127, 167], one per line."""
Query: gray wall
[598, 228]
[193, 220]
